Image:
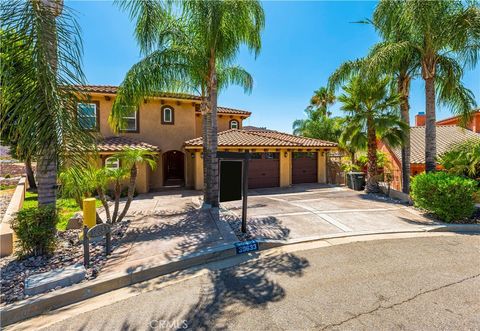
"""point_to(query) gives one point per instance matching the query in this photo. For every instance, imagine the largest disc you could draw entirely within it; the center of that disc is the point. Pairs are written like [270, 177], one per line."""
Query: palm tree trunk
[404, 91]
[47, 161]
[117, 190]
[47, 179]
[131, 190]
[372, 180]
[205, 125]
[211, 163]
[29, 172]
[430, 125]
[213, 146]
[103, 200]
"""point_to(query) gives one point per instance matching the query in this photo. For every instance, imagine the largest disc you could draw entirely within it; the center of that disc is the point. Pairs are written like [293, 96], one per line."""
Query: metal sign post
[234, 180]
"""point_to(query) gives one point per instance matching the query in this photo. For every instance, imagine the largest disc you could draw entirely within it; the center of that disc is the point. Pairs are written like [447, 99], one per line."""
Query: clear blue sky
[303, 43]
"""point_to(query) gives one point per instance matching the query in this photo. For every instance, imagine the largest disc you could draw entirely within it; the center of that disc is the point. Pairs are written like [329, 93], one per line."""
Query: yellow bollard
[89, 212]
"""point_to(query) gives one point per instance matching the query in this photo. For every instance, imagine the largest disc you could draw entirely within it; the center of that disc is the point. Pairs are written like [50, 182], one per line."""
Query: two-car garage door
[264, 170]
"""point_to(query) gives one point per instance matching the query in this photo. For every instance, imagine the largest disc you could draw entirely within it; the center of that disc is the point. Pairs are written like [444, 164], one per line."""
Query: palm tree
[443, 36]
[318, 125]
[130, 159]
[370, 106]
[190, 50]
[321, 99]
[43, 109]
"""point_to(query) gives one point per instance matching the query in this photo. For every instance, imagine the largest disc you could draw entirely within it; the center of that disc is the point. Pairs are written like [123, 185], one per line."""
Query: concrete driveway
[313, 210]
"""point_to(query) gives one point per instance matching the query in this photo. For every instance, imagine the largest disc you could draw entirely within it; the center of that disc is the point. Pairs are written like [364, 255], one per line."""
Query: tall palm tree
[444, 37]
[404, 68]
[370, 105]
[44, 109]
[197, 46]
[322, 98]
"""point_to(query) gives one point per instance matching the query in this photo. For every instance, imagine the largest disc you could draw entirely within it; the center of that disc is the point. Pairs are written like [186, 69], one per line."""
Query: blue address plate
[246, 246]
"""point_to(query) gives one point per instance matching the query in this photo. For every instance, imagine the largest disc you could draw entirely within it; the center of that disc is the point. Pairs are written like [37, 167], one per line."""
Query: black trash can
[356, 180]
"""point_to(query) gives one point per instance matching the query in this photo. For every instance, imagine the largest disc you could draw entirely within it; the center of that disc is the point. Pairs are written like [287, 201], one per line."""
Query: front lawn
[66, 207]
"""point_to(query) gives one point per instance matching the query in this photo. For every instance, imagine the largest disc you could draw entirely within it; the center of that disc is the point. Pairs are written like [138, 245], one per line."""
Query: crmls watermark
[165, 324]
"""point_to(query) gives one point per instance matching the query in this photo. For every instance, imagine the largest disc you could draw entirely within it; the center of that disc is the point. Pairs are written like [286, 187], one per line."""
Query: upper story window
[168, 115]
[112, 163]
[131, 121]
[88, 115]
[234, 124]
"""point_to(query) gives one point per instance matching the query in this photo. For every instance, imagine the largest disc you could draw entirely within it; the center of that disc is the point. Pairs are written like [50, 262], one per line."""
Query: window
[234, 124]
[87, 114]
[167, 115]
[131, 121]
[112, 163]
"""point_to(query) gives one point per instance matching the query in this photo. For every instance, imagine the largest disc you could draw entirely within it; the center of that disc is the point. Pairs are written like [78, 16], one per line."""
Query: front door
[174, 166]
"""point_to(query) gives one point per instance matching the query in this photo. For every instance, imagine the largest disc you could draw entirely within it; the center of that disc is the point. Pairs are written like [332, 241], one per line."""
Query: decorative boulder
[76, 222]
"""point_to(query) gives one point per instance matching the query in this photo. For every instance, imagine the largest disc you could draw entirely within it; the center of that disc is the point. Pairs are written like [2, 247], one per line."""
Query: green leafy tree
[193, 48]
[130, 159]
[41, 97]
[11, 66]
[319, 126]
[321, 99]
[463, 159]
[371, 115]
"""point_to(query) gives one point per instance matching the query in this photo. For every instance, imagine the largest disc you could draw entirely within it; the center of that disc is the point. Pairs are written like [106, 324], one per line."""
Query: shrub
[449, 197]
[35, 229]
[463, 159]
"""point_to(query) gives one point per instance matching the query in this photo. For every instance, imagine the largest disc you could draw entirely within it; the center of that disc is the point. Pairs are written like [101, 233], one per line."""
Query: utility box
[356, 180]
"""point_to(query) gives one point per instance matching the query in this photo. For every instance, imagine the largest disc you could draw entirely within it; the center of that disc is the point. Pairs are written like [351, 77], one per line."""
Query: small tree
[463, 159]
[130, 158]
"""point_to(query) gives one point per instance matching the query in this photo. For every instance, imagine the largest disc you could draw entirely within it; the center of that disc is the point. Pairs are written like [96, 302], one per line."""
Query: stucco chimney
[420, 119]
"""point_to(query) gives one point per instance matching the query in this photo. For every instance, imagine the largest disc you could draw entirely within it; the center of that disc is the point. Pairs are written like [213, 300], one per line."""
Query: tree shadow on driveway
[247, 284]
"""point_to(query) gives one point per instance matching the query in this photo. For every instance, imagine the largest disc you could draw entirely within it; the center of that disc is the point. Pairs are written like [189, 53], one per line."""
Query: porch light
[285, 154]
[192, 155]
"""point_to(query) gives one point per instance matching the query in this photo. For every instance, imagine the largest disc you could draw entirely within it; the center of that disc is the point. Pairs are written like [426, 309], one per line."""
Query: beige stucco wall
[198, 173]
[322, 167]
[285, 168]
[223, 123]
[187, 125]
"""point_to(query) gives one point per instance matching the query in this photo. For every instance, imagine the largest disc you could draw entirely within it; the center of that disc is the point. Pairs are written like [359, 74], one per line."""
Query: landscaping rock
[54, 279]
[76, 222]
[69, 251]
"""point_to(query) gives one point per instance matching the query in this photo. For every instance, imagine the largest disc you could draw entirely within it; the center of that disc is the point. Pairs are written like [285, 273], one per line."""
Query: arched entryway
[173, 168]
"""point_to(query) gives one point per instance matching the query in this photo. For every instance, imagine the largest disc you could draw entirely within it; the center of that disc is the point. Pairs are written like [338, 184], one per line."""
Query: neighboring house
[170, 125]
[448, 134]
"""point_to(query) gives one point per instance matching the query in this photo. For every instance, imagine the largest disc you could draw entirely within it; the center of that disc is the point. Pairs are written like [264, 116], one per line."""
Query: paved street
[427, 283]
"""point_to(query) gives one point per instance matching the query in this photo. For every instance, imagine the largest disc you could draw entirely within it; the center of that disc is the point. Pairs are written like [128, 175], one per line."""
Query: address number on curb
[246, 246]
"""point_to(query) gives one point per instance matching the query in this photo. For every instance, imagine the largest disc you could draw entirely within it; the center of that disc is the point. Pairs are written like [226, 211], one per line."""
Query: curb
[63, 297]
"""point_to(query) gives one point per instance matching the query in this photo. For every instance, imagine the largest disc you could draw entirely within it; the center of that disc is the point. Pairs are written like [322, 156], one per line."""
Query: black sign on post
[234, 180]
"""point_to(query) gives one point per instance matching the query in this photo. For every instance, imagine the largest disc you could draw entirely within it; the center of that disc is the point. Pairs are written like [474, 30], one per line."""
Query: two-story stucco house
[171, 125]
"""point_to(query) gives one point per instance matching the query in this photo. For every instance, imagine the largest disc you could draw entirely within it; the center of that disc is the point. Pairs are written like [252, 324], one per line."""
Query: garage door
[264, 170]
[304, 168]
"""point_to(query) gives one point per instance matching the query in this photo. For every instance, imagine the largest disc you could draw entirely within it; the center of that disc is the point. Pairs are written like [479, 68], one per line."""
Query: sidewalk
[164, 228]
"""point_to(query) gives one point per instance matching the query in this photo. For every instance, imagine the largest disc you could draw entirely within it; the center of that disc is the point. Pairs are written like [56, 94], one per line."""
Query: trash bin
[356, 181]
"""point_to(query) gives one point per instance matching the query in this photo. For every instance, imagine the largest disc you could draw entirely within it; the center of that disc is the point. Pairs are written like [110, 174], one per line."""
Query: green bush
[449, 197]
[35, 229]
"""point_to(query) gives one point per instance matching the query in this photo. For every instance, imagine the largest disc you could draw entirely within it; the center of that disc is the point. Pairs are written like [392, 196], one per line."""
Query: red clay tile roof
[110, 89]
[226, 110]
[119, 143]
[447, 137]
[264, 138]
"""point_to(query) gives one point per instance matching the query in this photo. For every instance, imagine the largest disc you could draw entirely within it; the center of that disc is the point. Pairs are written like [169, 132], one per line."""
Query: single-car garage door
[304, 168]
[264, 170]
